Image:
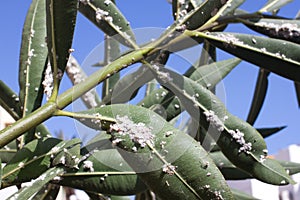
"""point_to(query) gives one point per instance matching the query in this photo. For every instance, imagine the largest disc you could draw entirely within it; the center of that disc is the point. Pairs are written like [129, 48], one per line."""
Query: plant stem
[24, 124]
[50, 108]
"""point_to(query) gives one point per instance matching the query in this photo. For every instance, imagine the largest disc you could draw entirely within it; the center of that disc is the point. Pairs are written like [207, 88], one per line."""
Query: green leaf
[231, 172]
[205, 10]
[238, 140]
[111, 21]
[259, 95]
[127, 88]
[70, 156]
[297, 89]
[77, 75]
[61, 19]
[206, 75]
[120, 178]
[109, 174]
[291, 167]
[208, 55]
[36, 155]
[112, 51]
[274, 5]
[47, 192]
[266, 132]
[6, 153]
[234, 4]
[281, 56]
[36, 185]
[10, 101]
[155, 159]
[285, 29]
[151, 86]
[33, 57]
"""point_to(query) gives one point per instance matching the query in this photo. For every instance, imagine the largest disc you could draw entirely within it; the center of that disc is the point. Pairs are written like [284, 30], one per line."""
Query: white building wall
[5, 118]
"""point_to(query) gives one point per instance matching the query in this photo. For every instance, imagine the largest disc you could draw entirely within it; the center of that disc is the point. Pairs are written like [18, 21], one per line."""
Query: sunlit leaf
[106, 16]
[284, 29]
[33, 56]
[274, 5]
[206, 75]
[275, 55]
[234, 4]
[238, 140]
[37, 155]
[10, 101]
[205, 10]
[28, 191]
[110, 174]
[70, 156]
[231, 172]
[127, 87]
[47, 192]
[112, 51]
[61, 19]
[155, 159]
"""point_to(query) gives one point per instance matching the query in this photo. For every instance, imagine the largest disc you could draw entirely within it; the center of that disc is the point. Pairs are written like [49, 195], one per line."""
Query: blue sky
[280, 107]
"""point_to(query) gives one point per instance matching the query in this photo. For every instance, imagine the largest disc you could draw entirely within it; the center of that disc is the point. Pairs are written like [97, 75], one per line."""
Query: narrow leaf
[127, 88]
[151, 86]
[47, 192]
[206, 75]
[239, 141]
[115, 175]
[231, 172]
[33, 57]
[70, 156]
[266, 132]
[9, 100]
[108, 174]
[106, 16]
[61, 18]
[77, 75]
[205, 10]
[36, 155]
[37, 184]
[274, 5]
[291, 167]
[172, 164]
[6, 154]
[275, 55]
[284, 29]
[234, 4]
[297, 89]
[208, 55]
[259, 95]
[112, 51]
